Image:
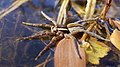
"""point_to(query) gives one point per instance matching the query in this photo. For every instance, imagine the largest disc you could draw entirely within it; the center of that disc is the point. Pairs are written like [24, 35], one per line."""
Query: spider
[58, 31]
[60, 28]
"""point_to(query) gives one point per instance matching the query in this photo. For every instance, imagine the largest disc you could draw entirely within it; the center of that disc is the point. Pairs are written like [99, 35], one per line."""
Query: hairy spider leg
[38, 35]
[38, 25]
[46, 44]
[49, 45]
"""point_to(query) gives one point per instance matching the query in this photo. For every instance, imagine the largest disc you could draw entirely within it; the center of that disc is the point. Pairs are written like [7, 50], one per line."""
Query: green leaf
[96, 50]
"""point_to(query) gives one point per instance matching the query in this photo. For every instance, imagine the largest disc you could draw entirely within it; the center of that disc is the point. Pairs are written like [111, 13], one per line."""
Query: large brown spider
[57, 32]
[60, 28]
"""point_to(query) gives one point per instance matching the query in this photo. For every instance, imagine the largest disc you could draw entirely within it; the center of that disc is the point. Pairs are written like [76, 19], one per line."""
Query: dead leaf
[117, 24]
[79, 9]
[111, 22]
[115, 38]
[12, 7]
[90, 9]
[61, 12]
[96, 50]
[67, 54]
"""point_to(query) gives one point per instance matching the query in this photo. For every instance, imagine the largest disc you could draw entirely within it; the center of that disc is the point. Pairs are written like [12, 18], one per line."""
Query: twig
[105, 10]
[90, 33]
[89, 29]
[85, 20]
[44, 65]
[46, 61]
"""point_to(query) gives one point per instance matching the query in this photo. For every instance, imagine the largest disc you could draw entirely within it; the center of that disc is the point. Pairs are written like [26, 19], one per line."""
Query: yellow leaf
[99, 50]
[115, 38]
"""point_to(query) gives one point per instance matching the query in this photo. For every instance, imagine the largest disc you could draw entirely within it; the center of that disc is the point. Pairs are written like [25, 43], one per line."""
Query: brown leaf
[115, 38]
[111, 22]
[117, 24]
[67, 54]
[79, 9]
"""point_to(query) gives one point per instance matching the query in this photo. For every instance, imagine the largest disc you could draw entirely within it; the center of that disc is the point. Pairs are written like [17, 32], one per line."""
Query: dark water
[22, 54]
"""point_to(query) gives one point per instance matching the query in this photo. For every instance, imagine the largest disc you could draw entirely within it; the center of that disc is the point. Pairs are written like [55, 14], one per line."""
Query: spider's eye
[101, 22]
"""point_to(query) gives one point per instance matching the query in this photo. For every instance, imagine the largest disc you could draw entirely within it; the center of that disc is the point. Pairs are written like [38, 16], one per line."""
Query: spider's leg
[38, 25]
[49, 45]
[37, 36]
[53, 21]
[46, 44]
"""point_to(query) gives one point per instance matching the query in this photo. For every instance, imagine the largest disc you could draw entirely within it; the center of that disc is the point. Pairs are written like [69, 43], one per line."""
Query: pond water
[22, 54]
